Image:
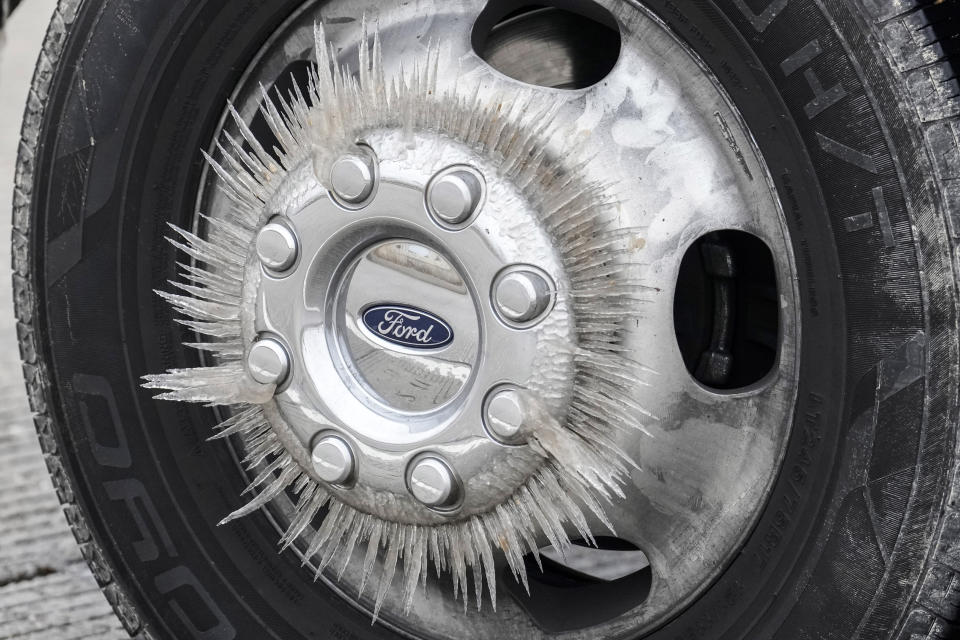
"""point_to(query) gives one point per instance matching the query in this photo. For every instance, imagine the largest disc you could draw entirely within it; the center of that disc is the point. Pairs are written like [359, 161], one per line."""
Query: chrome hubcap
[416, 316]
[399, 315]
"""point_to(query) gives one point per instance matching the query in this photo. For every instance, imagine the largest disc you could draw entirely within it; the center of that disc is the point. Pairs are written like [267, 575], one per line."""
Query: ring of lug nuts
[522, 296]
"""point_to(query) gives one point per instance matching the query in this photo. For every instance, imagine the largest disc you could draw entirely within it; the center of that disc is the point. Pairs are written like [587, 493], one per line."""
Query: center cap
[405, 353]
[392, 320]
[407, 326]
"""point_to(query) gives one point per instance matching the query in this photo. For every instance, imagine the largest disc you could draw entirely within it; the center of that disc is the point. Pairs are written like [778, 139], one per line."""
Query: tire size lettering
[797, 480]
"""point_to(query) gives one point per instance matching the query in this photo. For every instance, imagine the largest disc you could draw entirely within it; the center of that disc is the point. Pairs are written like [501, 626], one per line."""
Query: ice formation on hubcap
[463, 201]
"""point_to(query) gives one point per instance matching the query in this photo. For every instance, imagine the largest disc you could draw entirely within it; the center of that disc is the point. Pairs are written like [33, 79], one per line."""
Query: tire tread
[914, 50]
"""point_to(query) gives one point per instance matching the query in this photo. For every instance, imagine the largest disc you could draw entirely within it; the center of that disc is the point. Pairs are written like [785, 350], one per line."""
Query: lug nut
[352, 177]
[522, 296]
[504, 415]
[333, 459]
[455, 195]
[268, 361]
[277, 247]
[432, 482]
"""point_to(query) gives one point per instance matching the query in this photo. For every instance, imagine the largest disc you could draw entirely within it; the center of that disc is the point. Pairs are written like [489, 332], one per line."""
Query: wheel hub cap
[392, 292]
[403, 311]
[428, 316]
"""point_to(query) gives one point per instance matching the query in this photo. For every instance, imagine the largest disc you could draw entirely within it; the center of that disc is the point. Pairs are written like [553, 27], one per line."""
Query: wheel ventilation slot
[562, 45]
[726, 310]
[584, 585]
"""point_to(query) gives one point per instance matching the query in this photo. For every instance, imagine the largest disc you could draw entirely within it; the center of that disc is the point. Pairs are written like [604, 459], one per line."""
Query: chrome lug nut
[277, 247]
[268, 361]
[522, 295]
[432, 482]
[353, 177]
[454, 195]
[333, 459]
[504, 415]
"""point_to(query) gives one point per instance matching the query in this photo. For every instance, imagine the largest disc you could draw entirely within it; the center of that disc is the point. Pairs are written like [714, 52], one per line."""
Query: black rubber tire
[861, 538]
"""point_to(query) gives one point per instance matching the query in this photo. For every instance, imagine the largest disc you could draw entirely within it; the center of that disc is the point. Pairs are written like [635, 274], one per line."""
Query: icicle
[582, 466]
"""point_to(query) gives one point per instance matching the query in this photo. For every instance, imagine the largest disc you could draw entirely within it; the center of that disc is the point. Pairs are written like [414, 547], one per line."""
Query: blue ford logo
[407, 326]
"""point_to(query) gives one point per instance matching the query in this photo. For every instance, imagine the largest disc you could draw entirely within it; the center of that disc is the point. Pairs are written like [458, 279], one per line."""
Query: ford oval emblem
[407, 326]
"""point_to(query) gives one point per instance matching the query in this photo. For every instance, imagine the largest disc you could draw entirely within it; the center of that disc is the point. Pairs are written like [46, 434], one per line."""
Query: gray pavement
[46, 590]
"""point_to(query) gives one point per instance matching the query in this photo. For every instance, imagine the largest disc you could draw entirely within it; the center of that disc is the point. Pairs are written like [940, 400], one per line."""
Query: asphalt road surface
[46, 590]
